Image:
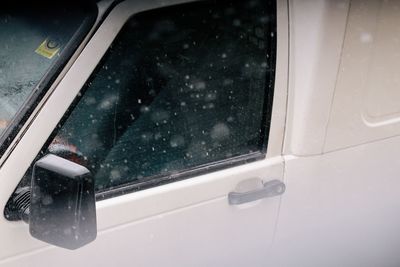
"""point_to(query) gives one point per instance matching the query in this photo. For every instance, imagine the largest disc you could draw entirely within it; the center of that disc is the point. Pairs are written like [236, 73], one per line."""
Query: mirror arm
[18, 206]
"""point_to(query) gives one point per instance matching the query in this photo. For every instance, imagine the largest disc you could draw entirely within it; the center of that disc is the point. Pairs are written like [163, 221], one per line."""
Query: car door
[172, 106]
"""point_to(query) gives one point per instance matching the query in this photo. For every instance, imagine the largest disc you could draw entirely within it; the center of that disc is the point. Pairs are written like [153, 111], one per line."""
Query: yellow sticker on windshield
[48, 48]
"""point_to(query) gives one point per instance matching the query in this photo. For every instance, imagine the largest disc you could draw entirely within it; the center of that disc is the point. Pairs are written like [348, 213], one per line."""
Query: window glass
[181, 88]
[32, 38]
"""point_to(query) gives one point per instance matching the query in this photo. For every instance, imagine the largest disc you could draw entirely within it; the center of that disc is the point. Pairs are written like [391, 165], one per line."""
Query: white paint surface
[316, 37]
[342, 208]
[366, 106]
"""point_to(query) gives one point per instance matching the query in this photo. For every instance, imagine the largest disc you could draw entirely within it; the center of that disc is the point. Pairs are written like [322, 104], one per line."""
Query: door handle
[270, 189]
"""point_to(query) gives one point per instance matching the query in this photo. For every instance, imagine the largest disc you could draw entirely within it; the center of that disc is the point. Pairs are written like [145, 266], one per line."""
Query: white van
[200, 133]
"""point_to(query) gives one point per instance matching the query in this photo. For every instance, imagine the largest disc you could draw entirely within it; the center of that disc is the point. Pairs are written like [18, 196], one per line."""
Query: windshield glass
[33, 40]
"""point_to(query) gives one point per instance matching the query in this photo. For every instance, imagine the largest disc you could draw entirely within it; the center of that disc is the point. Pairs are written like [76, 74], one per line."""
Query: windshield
[33, 40]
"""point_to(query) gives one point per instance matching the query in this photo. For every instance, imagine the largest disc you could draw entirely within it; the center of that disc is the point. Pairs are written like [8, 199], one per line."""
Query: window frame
[95, 51]
[197, 170]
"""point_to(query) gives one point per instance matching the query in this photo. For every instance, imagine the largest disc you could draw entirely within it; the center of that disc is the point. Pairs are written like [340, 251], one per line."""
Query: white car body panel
[366, 105]
[317, 30]
[341, 208]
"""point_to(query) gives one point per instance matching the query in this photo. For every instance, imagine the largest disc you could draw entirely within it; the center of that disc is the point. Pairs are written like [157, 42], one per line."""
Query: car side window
[182, 89]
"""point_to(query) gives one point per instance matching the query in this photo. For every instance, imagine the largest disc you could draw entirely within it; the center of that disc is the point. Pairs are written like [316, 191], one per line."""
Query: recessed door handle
[270, 189]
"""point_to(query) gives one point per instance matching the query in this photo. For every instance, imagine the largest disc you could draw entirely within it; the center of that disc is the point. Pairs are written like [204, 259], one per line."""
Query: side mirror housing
[62, 208]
